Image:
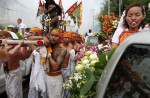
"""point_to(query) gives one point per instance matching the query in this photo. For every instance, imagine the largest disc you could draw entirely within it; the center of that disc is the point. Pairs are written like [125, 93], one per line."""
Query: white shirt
[37, 78]
[13, 35]
[22, 25]
[100, 46]
[116, 35]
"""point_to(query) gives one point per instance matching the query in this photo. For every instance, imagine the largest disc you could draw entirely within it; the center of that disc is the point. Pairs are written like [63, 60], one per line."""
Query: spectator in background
[10, 29]
[27, 30]
[87, 35]
[1, 28]
[101, 40]
[68, 64]
[16, 29]
[147, 27]
[132, 23]
[103, 43]
[74, 42]
[22, 26]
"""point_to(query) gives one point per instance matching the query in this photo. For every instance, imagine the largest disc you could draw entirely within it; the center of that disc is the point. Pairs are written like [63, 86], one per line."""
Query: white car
[127, 73]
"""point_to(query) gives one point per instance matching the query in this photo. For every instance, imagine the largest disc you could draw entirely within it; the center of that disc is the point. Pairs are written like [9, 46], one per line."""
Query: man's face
[18, 21]
[32, 33]
[9, 29]
[66, 40]
[73, 37]
[54, 37]
[78, 38]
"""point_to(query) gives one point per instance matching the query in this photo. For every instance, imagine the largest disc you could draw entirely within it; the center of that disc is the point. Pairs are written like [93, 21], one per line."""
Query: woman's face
[134, 17]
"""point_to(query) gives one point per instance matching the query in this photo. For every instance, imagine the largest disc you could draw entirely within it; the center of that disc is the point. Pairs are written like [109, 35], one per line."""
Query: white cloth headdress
[119, 29]
[120, 24]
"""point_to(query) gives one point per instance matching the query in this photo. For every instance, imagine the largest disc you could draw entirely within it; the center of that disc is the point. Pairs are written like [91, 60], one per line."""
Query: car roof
[142, 37]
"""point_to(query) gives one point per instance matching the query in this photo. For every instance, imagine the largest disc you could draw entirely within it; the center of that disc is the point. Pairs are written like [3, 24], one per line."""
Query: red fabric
[72, 8]
[67, 34]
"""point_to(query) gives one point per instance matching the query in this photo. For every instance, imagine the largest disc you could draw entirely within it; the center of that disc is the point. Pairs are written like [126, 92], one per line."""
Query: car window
[131, 77]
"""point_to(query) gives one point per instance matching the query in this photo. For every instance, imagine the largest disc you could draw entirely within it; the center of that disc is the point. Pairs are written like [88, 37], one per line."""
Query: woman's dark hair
[125, 24]
[101, 39]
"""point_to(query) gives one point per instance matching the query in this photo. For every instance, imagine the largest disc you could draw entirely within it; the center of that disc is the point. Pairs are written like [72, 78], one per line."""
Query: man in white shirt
[22, 26]
[10, 29]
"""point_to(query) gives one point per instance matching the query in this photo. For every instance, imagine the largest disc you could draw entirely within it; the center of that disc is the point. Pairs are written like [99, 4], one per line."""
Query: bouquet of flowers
[89, 65]
[108, 23]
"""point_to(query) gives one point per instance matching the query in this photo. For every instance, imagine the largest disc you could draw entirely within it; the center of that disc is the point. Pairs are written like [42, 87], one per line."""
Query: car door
[131, 76]
[2, 79]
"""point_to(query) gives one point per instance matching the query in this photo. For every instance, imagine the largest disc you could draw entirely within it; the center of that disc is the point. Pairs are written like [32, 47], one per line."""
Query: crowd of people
[53, 63]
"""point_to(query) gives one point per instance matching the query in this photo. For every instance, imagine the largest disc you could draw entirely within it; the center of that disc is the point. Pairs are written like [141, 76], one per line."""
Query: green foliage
[104, 35]
[105, 8]
[147, 16]
[127, 2]
[89, 82]
[110, 53]
[114, 7]
[99, 67]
